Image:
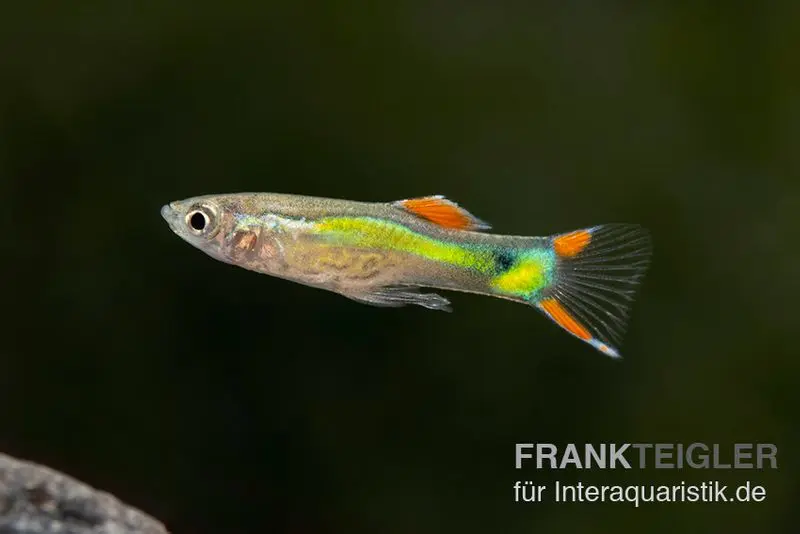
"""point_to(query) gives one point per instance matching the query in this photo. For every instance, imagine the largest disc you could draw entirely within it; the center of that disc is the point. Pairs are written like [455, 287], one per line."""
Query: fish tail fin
[596, 276]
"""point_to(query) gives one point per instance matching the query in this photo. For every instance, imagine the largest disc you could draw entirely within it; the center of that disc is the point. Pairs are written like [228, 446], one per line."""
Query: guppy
[382, 253]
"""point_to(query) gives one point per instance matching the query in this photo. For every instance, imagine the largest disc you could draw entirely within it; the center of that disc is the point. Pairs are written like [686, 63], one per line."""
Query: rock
[37, 500]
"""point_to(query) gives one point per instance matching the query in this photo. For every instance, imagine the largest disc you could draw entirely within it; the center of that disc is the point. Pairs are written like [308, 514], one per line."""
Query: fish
[384, 253]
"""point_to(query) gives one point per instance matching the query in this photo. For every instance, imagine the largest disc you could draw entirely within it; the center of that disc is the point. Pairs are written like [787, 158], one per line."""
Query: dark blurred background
[220, 400]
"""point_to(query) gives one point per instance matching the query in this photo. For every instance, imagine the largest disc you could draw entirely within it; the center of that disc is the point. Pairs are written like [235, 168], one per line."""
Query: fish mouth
[170, 214]
[168, 211]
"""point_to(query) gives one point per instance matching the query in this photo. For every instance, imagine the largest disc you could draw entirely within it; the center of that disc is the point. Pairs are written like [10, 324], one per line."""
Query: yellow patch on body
[525, 278]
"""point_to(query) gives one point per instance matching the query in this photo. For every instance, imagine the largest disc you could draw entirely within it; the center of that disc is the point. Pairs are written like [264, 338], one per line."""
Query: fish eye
[198, 220]
[202, 220]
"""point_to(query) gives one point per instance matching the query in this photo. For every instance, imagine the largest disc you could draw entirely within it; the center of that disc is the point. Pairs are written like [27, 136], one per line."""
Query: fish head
[200, 221]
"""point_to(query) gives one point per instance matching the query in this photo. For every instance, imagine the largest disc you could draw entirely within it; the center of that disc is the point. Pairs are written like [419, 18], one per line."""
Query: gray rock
[35, 500]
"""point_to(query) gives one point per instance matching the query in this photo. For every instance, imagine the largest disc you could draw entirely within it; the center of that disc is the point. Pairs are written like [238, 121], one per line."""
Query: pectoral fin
[397, 296]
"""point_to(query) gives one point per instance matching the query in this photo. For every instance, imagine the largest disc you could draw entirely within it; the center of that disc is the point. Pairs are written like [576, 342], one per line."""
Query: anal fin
[397, 296]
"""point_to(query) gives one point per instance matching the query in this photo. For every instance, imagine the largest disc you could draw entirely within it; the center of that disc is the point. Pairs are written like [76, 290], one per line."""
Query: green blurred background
[220, 400]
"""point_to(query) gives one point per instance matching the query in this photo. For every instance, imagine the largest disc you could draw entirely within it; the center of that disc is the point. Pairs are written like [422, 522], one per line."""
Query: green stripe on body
[530, 272]
[375, 233]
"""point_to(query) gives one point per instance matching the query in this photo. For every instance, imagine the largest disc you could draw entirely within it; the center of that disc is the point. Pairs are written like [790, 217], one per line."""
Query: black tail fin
[597, 275]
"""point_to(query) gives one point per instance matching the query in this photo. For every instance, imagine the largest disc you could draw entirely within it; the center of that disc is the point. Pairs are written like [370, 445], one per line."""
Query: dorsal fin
[439, 210]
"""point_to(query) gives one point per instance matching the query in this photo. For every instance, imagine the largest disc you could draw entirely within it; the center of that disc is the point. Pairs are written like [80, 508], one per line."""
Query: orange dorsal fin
[439, 210]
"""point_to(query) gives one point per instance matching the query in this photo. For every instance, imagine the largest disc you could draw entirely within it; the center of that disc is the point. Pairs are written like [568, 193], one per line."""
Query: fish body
[383, 253]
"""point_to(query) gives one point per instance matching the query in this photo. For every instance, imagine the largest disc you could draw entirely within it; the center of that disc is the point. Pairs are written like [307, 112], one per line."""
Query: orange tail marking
[573, 243]
[443, 212]
[561, 316]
